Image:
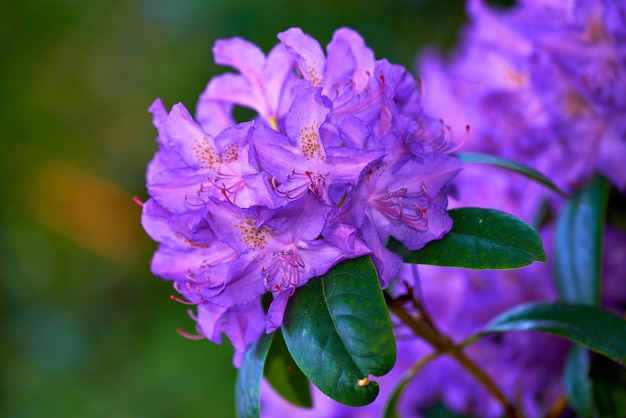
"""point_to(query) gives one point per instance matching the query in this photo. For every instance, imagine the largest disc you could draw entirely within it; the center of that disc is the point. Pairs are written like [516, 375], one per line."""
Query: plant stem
[557, 408]
[443, 344]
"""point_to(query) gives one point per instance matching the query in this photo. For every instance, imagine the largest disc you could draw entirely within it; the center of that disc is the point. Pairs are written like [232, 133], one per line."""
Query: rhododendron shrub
[298, 235]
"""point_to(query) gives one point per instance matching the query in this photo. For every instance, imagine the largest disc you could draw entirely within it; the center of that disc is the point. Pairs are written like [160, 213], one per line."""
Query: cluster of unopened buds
[339, 158]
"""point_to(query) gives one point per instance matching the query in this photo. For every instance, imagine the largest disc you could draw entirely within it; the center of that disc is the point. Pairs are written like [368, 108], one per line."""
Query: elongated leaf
[578, 244]
[477, 158]
[248, 384]
[577, 383]
[337, 329]
[609, 387]
[284, 375]
[577, 266]
[480, 239]
[588, 326]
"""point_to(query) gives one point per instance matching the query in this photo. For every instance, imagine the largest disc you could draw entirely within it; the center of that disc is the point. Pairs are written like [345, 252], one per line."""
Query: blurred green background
[86, 330]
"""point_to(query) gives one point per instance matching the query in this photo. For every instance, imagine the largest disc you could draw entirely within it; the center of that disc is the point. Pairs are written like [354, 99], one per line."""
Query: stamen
[194, 286]
[291, 194]
[192, 315]
[185, 334]
[137, 201]
[313, 182]
[285, 267]
[422, 87]
[197, 205]
[235, 181]
[360, 106]
[185, 302]
[419, 219]
[460, 144]
[289, 294]
[444, 142]
[225, 194]
[406, 207]
[227, 184]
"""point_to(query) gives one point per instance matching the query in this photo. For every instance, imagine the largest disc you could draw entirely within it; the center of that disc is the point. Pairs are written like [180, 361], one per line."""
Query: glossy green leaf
[337, 329]
[479, 239]
[588, 326]
[577, 383]
[577, 266]
[248, 384]
[578, 244]
[284, 375]
[477, 158]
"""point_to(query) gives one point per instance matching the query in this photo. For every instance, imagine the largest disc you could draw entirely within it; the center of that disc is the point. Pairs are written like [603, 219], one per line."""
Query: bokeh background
[86, 330]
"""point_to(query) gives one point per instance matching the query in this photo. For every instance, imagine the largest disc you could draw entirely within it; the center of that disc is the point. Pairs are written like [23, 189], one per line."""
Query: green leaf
[609, 387]
[480, 239]
[439, 410]
[577, 266]
[578, 244]
[477, 158]
[337, 329]
[248, 384]
[284, 375]
[588, 326]
[616, 213]
[577, 383]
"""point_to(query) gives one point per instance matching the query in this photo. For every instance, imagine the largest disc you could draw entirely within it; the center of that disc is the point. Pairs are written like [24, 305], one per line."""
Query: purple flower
[542, 83]
[298, 161]
[265, 84]
[191, 257]
[280, 250]
[193, 166]
[339, 158]
[404, 198]
[534, 80]
[356, 84]
[613, 267]
[189, 251]
[519, 82]
[526, 366]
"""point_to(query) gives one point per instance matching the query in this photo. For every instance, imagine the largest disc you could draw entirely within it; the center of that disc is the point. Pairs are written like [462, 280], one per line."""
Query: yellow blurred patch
[94, 213]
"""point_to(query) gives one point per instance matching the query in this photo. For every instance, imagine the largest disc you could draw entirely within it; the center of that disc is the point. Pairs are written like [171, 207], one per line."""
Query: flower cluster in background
[542, 83]
[340, 157]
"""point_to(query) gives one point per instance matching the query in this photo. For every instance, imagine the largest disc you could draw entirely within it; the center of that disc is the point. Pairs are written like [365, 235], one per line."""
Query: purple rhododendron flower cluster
[339, 158]
[542, 83]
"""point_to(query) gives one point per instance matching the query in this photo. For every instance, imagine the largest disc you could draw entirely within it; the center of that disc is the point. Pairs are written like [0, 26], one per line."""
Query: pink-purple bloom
[337, 160]
[539, 83]
[542, 83]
